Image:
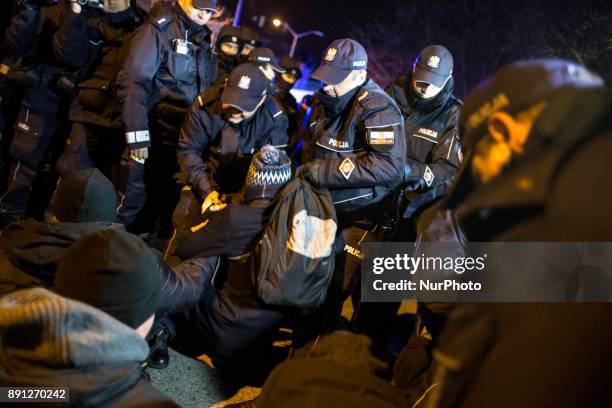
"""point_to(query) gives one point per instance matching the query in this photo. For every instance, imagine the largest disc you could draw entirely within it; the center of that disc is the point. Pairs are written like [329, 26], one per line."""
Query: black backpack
[294, 262]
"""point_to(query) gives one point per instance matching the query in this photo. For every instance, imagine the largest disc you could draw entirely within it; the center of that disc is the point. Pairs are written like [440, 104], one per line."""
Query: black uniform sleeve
[71, 45]
[135, 82]
[445, 156]
[211, 239]
[278, 133]
[197, 134]
[382, 161]
[20, 37]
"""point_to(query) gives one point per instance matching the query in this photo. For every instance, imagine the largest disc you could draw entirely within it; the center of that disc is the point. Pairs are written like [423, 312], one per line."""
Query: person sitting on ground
[88, 336]
[84, 202]
[230, 320]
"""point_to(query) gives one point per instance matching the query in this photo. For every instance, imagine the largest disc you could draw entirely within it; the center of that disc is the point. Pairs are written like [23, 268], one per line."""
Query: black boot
[158, 342]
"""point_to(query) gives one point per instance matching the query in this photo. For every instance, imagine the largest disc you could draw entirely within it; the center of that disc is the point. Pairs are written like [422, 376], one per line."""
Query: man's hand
[213, 202]
[139, 155]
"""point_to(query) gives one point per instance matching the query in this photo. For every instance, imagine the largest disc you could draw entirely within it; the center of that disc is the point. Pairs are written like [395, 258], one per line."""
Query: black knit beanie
[270, 170]
[114, 271]
[85, 196]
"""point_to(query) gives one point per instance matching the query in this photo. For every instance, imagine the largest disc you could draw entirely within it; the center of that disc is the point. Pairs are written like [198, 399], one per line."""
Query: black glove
[412, 181]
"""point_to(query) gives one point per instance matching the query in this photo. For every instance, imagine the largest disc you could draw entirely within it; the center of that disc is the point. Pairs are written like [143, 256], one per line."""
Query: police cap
[340, 58]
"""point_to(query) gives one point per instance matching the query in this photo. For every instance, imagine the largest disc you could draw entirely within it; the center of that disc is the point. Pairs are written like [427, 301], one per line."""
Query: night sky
[482, 35]
[333, 17]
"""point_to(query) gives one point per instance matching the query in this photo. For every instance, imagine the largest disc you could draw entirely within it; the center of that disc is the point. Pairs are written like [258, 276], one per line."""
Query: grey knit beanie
[85, 196]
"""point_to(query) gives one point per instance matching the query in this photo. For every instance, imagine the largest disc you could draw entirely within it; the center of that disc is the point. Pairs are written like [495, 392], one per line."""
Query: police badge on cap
[340, 58]
[434, 65]
[245, 87]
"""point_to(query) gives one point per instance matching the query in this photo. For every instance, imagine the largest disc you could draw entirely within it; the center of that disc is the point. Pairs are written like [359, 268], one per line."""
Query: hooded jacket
[537, 348]
[51, 341]
[31, 250]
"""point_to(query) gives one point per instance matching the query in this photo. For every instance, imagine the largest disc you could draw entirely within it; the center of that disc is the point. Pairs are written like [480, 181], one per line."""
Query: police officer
[97, 138]
[285, 81]
[538, 137]
[355, 147]
[218, 139]
[169, 64]
[41, 38]
[228, 46]
[266, 61]
[355, 143]
[430, 113]
[250, 40]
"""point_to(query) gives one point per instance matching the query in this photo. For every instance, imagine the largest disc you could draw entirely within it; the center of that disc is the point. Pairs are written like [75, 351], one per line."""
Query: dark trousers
[92, 146]
[34, 131]
[152, 183]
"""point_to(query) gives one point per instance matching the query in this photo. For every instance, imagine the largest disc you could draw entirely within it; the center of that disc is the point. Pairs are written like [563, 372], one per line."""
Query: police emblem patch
[428, 176]
[382, 137]
[346, 168]
[245, 82]
[331, 54]
[434, 61]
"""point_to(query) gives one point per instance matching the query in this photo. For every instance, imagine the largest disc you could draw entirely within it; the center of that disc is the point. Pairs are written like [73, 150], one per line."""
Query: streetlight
[296, 36]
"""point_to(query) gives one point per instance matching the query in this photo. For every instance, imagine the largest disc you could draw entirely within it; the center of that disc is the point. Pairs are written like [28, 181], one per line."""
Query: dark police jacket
[38, 36]
[106, 47]
[290, 107]
[161, 68]
[433, 148]
[214, 154]
[361, 152]
[559, 190]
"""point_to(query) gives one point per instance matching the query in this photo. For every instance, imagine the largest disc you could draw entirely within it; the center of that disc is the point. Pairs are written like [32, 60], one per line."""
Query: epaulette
[374, 99]
[209, 97]
[162, 22]
[274, 108]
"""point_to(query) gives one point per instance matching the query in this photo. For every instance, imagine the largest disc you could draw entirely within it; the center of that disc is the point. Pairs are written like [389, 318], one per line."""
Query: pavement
[195, 383]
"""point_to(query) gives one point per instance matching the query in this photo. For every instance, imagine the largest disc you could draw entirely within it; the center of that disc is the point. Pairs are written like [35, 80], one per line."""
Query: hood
[570, 118]
[36, 247]
[48, 340]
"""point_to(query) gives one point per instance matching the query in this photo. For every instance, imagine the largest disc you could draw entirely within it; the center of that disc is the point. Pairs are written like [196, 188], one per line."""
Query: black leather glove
[412, 181]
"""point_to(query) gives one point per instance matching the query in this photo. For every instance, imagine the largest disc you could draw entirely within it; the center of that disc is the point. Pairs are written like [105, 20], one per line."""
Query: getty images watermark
[489, 272]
